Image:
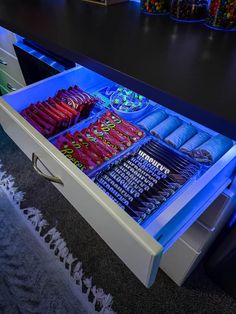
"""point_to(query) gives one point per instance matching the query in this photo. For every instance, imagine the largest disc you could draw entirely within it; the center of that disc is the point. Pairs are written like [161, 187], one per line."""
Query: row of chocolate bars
[58, 113]
[108, 136]
[141, 182]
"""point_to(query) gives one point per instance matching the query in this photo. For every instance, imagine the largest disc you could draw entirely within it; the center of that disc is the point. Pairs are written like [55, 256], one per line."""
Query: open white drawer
[140, 248]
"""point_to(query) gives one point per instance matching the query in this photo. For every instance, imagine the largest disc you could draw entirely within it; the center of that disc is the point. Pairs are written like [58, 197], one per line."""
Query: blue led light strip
[232, 221]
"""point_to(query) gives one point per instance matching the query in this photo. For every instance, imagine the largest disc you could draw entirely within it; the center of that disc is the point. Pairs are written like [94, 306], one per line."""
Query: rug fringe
[96, 297]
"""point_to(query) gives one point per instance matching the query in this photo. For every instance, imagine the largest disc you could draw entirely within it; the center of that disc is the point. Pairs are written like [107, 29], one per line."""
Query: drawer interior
[189, 201]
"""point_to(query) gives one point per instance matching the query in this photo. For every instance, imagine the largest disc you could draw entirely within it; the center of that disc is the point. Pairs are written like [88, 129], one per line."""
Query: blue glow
[37, 54]
[187, 21]
[221, 29]
[154, 14]
[232, 220]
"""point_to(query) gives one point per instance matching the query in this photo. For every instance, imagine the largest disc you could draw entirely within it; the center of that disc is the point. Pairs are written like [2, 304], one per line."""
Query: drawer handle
[35, 159]
[3, 62]
[10, 87]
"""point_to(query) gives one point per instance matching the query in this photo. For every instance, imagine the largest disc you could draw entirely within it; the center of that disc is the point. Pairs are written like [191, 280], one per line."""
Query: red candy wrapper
[125, 127]
[92, 146]
[75, 113]
[67, 113]
[84, 148]
[46, 126]
[63, 118]
[87, 98]
[99, 142]
[111, 144]
[75, 156]
[60, 112]
[109, 126]
[50, 114]
[73, 102]
[100, 145]
[109, 136]
[35, 109]
[77, 96]
[34, 124]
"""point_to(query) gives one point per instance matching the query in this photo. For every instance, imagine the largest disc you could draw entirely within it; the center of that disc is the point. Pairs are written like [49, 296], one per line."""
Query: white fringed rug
[37, 272]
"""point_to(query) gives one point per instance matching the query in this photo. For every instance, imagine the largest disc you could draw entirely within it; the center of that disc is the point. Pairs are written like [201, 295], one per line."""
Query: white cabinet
[11, 77]
[140, 248]
[10, 65]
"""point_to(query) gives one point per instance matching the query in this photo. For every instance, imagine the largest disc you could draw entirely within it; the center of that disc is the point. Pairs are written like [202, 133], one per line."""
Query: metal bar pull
[35, 159]
[10, 87]
[3, 62]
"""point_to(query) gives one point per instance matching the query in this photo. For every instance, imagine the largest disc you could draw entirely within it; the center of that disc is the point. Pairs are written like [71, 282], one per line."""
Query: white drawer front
[10, 65]
[135, 245]
[8, 82]
[7, 39]
[139, 251]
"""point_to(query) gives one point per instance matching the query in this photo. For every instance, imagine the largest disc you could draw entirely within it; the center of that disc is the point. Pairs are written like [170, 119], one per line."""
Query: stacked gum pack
[60, 112]
[99, 142]
[141, 182]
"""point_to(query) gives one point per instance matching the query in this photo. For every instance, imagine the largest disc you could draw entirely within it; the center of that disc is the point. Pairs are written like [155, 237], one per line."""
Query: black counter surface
[187, 67]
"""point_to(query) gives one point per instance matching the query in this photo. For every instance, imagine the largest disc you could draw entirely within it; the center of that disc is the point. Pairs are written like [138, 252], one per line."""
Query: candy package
[102, 139]
[76, 156]
[58, 113]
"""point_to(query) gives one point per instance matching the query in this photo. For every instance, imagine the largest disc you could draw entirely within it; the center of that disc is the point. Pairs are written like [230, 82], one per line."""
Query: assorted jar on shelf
[219, 14]
[155, 7]
[189, 10]
[222, 14]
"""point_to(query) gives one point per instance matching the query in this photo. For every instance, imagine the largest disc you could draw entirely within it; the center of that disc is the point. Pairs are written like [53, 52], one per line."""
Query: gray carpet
[198, 295]
[31, 280]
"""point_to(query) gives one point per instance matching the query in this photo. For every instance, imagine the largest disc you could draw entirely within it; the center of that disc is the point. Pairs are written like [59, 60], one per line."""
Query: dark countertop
[187, 67]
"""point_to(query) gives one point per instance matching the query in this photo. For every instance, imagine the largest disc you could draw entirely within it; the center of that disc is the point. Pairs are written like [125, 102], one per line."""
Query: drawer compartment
[140, 247]
[10, 65]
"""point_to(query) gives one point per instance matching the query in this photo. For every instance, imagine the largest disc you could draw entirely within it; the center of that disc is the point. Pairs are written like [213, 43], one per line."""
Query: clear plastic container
[155, 7]
[222, 15]
[129, 105]
[189, 10]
